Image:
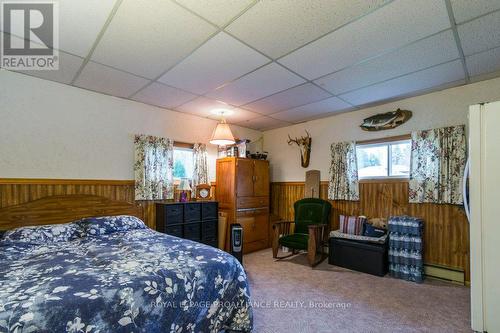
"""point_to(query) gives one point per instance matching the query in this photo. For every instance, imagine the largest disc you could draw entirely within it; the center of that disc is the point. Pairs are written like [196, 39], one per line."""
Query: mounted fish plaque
[385, 121]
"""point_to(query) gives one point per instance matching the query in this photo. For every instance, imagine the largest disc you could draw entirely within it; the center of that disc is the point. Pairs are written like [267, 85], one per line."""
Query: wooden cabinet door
[261, 177]
[255, 224]
[261, 224]
[244, 178]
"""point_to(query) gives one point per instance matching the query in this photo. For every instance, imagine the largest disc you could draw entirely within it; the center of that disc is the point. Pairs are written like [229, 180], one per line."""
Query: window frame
[388, 143]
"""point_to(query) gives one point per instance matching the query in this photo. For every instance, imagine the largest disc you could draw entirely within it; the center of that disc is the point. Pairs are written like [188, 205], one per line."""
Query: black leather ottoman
[360, 256]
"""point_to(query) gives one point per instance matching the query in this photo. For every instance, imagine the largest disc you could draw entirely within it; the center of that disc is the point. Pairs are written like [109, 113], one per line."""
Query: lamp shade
[184, 185]
[222, 135]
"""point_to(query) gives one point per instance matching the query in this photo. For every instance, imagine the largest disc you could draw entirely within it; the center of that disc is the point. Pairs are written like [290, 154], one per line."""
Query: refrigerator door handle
[464, 190]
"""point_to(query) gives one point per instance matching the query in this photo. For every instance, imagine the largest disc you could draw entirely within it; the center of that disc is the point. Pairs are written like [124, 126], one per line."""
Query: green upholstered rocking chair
[312, 217]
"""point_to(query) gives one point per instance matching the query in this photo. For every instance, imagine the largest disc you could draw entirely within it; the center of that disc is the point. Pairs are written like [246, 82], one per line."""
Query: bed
[112, 274]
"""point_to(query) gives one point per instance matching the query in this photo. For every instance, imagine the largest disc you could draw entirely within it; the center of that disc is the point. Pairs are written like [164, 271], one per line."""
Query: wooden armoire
[242, 191]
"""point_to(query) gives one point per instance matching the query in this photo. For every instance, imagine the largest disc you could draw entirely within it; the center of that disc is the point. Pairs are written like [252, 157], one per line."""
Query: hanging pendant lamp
[222, 134]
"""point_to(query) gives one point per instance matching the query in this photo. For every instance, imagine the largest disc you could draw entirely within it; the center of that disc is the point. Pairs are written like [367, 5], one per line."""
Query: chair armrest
[316, 240]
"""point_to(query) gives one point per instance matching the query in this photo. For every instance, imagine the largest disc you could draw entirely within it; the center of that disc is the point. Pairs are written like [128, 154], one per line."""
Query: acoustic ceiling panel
[263, 82]
[290, 98]
[390, 27]
[238, 116]
[219, 12]
[208, 68]
[366, 51]
[484, 62]
[80, 22]
[279, 26]
[202, 106]
[314, 110]
[429, 78]
[148, 37]
[464, 10]
[480, 34]
[164, 96]
[68, 67]
[264, 123]
[110, 81]
[428, 52]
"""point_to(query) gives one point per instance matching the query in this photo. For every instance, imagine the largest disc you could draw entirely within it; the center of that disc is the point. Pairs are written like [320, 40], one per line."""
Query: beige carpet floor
[289, 296]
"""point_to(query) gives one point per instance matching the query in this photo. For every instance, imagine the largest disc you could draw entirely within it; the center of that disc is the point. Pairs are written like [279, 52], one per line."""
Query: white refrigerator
[483, 207]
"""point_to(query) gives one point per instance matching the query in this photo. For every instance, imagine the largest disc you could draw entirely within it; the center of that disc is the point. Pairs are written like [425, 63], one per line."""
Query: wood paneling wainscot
[446, 230]
[16, 191]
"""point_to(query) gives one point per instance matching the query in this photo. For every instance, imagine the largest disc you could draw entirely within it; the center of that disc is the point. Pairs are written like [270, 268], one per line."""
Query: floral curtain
[200, 170]
[343, 183]
[438, 158]
[153, 168]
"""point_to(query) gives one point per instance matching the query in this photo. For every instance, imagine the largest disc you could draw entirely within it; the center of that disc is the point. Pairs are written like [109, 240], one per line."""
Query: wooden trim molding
[47, 181]
[186, 145]
[383, 140]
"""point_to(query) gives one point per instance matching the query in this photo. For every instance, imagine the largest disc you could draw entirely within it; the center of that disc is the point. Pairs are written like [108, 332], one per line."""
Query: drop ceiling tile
[219, 12]
[428, 52]
[484, 62]
[237, 116]
[426, 79]
[464, 10]
[208, 68]
[163, 96]
[148, 37]
[80, 22]
[290, 98]
[390, 27]
[314, 110]
[480, 34]
[263, 82]
[110, 81]
[280, 26]
[203, 106]
[264, 123]
[68, 67]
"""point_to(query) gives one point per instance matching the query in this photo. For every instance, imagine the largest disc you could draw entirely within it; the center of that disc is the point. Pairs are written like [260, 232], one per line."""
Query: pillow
[352, 225]
[44, 234]
[109, 224]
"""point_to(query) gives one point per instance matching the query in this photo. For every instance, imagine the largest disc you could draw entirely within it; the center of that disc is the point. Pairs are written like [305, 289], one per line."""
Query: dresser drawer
[174, 213]
[209, 210]
[192, 231]
[192, 212]
[252, 202]
[174, 230]
[209, 229]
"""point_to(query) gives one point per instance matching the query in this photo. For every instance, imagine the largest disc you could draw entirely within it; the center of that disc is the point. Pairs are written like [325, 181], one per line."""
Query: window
[183, 163]
[388, 159]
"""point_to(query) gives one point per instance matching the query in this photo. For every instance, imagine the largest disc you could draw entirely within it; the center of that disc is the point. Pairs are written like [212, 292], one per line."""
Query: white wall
[50, 130]
[439, 109]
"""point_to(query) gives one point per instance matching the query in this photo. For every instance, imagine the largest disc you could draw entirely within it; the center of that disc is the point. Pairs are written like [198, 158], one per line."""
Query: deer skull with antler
[304, 144]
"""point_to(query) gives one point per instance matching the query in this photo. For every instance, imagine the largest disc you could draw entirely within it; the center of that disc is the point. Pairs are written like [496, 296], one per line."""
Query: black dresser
[195, 220]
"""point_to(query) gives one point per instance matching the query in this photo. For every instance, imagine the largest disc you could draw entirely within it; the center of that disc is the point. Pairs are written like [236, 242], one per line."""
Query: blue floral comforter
[114, 274]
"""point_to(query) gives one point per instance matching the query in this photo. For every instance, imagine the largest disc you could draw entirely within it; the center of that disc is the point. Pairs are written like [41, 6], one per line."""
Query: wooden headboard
[62, 209]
